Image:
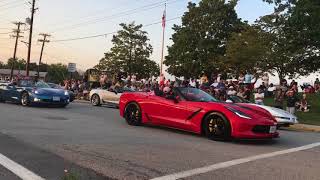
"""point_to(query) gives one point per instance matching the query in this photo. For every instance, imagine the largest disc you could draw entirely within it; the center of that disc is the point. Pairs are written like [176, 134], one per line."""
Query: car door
[167, 112]
[108, 96]
[11, 93]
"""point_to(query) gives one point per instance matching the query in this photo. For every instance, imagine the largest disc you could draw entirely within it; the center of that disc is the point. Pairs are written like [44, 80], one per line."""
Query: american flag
[164, 19]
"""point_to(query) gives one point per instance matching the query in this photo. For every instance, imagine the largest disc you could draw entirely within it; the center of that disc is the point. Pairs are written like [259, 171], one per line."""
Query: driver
[168, 93]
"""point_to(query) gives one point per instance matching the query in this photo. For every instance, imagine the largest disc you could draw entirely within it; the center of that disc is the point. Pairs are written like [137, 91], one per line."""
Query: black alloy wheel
[133, 114]
[25, 101]
[217, 127]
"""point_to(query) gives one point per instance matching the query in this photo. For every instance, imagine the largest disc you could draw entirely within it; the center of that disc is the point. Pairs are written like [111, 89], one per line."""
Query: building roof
[22, 73]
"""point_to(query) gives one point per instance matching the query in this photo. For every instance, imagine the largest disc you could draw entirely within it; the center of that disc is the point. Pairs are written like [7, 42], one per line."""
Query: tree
[19, 64]
[248, 50]
[2, 65]
[200, 42]
[57, 73]
[296, 37]
[130, 53]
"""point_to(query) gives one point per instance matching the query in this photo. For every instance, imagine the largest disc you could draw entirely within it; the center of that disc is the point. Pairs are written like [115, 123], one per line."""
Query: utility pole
[44, 41]
[17, 36]
[164, 19]
[30, 36]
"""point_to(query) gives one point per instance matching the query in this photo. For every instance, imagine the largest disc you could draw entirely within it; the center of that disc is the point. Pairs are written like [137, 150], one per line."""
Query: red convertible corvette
[193, 110]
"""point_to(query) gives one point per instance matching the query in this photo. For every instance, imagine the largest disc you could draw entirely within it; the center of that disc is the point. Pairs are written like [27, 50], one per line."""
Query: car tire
[25, 101]
[217, 127]
[95, 100]
[133, 114]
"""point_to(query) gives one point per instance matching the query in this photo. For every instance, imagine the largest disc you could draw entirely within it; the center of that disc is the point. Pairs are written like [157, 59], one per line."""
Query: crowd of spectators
[284, 95]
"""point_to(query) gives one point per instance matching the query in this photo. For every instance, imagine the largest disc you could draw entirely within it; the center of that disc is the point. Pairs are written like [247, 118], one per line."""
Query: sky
[65, 19]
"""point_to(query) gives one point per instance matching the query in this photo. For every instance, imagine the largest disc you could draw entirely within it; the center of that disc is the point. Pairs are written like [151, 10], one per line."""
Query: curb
[304, 128]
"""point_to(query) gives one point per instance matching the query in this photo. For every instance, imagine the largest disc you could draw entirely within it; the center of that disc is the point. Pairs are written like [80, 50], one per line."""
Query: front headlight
[239, 113]
[66, 93]
[280, 117]
[36, 92]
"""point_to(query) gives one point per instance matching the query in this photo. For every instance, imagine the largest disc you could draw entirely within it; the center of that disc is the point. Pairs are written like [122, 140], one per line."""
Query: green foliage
[130, 53]
[19, 64]
[296, 37]
[71, 176]
[57, 73]
[2, 65]
[200, 42]
[248, 50]
[311, 117]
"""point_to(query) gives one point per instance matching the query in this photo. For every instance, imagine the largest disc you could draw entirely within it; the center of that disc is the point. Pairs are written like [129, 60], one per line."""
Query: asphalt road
[96, 143]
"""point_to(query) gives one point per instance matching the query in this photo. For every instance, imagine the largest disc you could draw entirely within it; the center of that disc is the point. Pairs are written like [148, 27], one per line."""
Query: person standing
[317, 85]
[279, 97]
[192, 83]
[247, 93]
[291, 101]
[248, 78]
[265, 79]
[259, 97]
[241, 79]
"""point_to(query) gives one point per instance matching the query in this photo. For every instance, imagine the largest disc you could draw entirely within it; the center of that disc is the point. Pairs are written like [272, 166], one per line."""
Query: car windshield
[26, 83]
[196, 95]
[237, 99]
[41, 84]
[32, 83]
[54, 86]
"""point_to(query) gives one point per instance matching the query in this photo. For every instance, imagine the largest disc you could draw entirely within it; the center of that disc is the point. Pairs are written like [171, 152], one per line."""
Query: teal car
[30, 92]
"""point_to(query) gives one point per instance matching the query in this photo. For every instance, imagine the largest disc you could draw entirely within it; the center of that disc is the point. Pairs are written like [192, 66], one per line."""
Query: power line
[105, 34]
[117, 15]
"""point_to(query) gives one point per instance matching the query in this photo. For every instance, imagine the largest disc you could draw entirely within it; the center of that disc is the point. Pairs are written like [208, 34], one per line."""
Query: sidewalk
[304, 127]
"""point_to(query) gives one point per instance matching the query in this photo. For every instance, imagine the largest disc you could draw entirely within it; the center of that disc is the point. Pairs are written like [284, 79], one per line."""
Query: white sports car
[104, 96]
[283, 117]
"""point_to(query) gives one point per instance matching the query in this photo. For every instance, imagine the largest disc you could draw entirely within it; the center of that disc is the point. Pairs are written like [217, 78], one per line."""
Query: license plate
[273, 129]
[56, 98]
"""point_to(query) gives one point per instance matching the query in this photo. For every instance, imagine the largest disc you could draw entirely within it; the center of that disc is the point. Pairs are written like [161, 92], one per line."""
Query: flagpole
[163, 34]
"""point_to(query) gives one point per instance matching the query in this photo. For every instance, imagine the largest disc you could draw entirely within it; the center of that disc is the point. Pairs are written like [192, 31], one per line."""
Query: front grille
[261, 129]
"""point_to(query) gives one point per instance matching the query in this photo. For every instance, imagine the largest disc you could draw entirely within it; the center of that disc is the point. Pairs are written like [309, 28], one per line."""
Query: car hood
[252, 111]
[50, 91]
[278, 112]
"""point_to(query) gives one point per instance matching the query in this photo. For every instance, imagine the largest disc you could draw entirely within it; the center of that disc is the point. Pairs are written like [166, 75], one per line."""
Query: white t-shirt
[271, 89]
[259, 95]
[232, 92]
[192, 84]
[265, 79]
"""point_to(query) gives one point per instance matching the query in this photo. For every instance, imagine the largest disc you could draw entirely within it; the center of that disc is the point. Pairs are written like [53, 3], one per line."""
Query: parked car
[28, 92]
[107, 96]
[283, 117]
[57, 86]
[194, 110]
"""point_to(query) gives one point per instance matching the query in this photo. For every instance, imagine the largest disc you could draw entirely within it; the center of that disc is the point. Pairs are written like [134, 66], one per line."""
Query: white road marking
[18, 170]
[227, 164]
